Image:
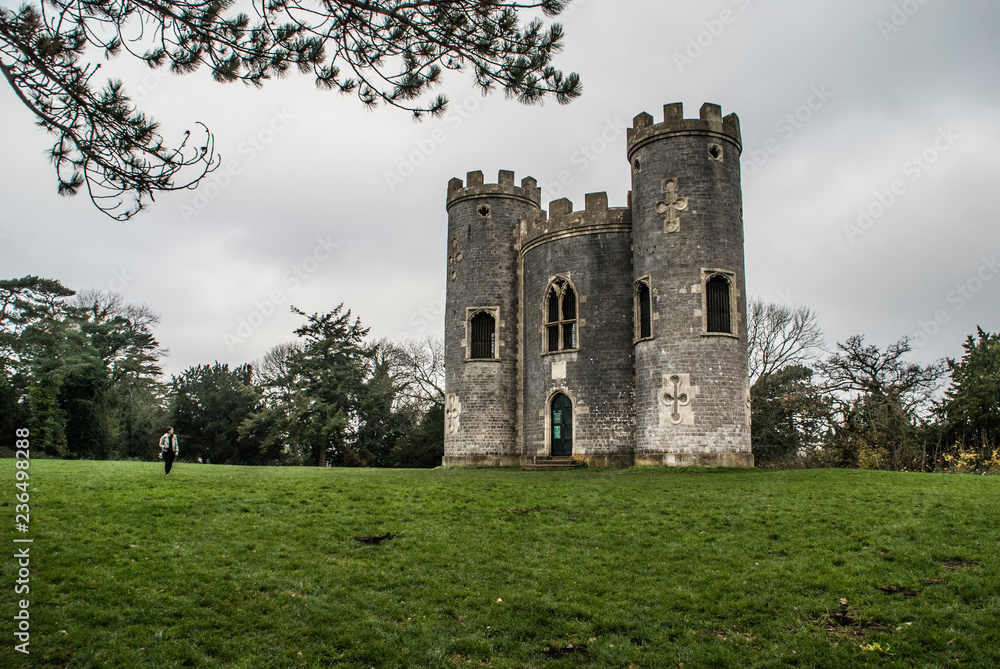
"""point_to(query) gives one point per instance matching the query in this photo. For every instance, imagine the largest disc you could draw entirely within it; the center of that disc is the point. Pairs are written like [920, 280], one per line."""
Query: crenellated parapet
[710, 123]
[473, 187]
[612, 335]
[561, 221]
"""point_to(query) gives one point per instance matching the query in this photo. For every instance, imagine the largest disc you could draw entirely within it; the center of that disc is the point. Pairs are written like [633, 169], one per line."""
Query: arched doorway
[561, 415]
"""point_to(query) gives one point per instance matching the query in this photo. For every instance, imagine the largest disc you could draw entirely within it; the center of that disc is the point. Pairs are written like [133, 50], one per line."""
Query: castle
[612, 335]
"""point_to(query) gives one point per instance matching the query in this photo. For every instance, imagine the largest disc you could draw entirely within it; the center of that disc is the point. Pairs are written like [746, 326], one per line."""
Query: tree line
[82, 372]
[859, 405]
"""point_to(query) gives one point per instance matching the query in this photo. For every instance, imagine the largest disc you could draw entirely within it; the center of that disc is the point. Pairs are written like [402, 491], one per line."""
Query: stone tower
[608, 335]
[691, 389]
[481, 328]
[577, 333]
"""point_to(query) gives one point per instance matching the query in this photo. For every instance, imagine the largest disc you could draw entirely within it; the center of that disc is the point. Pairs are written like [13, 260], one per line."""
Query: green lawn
[259, 567]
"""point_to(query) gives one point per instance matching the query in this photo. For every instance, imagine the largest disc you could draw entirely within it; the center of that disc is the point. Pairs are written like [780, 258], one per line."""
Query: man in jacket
[168, 449]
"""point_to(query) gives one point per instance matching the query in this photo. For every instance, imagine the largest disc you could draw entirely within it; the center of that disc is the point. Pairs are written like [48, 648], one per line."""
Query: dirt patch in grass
[845, 620]
[374, 541]
[907, 593]
[957, 565]
[529, 511]
[557, 651]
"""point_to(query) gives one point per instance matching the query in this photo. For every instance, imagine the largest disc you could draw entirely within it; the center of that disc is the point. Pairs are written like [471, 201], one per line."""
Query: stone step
[550, 463]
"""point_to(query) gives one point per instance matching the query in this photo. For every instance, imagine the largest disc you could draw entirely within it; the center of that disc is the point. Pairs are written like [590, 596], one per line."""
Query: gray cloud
[323, 174]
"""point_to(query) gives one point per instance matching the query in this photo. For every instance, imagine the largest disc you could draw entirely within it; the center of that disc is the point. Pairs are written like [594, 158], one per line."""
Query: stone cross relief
[452, 410]
[746, 397]
[670, 205]
[675, 400]
[454, 258]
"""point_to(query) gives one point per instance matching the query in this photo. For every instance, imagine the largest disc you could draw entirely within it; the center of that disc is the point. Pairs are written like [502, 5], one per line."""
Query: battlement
[562, 221]
[710, 122]
[473, 187]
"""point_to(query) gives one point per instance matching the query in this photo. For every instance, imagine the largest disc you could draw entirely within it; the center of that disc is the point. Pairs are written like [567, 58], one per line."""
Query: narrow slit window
[483, 334]
[644, 311]
[560, 317]
[717, 304]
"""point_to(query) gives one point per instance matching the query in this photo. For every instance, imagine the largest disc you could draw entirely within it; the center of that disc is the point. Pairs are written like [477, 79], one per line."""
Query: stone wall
[590, 249]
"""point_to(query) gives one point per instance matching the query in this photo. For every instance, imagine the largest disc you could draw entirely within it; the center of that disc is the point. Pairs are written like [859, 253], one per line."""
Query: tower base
[742, 460]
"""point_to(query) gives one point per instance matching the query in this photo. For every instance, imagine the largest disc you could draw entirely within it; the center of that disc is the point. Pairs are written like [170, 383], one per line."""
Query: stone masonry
[616, 336]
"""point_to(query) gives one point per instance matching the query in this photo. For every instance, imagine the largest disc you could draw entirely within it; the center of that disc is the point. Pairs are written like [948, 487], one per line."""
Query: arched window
[560, 317]
[717, 304]
[483, 336]
[643, 310]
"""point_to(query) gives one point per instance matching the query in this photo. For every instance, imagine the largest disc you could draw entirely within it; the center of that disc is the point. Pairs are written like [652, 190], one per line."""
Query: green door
[562, 425]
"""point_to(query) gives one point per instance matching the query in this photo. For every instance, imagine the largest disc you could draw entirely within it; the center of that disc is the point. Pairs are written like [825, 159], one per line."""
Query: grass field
[260, 567]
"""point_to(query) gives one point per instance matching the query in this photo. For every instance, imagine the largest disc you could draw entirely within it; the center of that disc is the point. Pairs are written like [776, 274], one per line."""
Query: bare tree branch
[779, 336]
[856, 370]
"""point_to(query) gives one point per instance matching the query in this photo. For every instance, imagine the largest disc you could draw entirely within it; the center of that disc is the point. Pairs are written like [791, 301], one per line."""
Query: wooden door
[562, 425]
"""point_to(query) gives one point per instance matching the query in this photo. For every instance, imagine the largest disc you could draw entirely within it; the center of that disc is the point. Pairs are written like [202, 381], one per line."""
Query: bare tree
[878, 399]
[424, 367]
[122, 332]
[417, 366]
[779, 336]
[273, 367]
[856, 370]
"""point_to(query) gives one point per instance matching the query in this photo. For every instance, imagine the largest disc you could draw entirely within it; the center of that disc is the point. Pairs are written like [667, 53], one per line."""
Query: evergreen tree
[972, 402]
[81, 373]
[789, 416]
[316, 386]
[383, 51]
[423, 445]
[39, 348]
[208, 404]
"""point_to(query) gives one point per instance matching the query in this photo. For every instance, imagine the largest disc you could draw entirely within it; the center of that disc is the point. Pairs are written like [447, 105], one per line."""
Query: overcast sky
[871, 166]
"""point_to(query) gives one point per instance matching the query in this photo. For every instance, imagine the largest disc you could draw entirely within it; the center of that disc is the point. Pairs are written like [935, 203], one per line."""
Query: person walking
[168, 449]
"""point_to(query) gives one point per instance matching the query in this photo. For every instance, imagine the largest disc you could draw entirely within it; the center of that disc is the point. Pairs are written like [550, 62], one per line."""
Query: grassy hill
[291, 567]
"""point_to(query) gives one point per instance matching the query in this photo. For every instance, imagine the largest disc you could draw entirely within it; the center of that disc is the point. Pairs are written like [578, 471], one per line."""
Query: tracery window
[560, 317]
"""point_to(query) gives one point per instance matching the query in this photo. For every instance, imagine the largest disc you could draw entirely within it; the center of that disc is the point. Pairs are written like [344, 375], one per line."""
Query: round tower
[577, 333]
[692, 394]
[481, 333]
